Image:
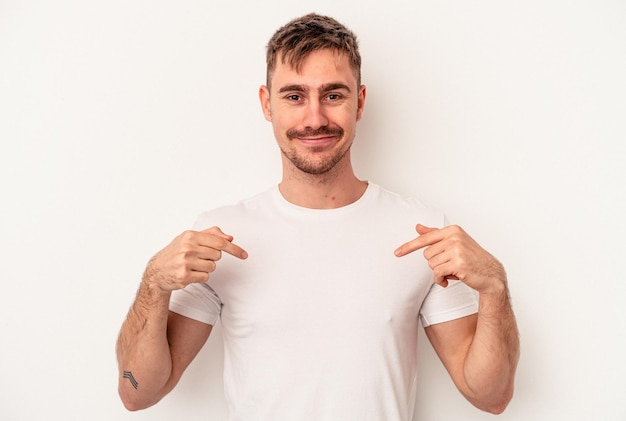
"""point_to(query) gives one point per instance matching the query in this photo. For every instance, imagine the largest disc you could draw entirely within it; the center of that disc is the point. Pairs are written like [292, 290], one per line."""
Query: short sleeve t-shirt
[321, 321]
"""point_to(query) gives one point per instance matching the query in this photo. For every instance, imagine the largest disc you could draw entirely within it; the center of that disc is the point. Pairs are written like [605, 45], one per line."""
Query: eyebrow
[334, 87]
[324, 88]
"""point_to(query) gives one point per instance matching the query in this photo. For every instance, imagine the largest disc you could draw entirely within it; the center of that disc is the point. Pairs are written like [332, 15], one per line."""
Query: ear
[264, 97]
[361, 102]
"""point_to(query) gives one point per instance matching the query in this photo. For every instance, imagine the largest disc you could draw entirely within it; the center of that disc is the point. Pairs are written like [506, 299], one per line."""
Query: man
[320, 295]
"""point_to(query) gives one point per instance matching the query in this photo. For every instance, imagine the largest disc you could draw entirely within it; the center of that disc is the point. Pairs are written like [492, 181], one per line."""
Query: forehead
[317, 68]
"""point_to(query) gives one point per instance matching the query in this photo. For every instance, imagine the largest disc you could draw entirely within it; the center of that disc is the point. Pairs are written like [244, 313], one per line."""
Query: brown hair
[304, 35]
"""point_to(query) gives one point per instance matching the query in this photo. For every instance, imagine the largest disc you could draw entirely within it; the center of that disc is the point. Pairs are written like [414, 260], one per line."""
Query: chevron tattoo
[128, 375]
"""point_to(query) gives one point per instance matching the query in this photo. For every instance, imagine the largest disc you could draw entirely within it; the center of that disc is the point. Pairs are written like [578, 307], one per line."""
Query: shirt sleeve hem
[447, 316]
[193, 313]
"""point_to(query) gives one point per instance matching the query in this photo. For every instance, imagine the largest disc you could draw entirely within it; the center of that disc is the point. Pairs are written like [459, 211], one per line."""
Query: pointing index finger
[234, 250]
[427, 237]
[229, 247]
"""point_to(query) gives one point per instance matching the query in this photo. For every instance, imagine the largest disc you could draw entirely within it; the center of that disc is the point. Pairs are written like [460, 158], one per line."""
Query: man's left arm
[480, 351]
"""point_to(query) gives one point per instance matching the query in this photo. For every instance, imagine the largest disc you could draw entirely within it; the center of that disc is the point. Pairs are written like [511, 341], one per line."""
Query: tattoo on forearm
[128, 375]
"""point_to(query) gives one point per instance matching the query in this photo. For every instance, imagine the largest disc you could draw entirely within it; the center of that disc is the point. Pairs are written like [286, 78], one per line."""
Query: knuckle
[455, 228]
[181, 259]
[222, 243]
[186, 252]
[187, 235]
[181, 274]
[456, 231]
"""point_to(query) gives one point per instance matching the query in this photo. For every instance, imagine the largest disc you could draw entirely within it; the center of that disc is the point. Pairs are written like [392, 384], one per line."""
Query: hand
[190, 258]
[453, 254]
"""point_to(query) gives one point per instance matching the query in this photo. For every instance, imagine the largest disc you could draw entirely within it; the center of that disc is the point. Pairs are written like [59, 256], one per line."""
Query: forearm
[143, 351]
[489, 368]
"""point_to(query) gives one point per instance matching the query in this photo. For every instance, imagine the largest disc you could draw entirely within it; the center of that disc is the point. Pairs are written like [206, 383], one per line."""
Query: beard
[315, 162]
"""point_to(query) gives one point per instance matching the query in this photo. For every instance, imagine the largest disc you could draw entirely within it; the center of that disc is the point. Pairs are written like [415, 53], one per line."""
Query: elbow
[498, 405]
[496, 409]
[135, 397]
[132, 406]
[133, 402]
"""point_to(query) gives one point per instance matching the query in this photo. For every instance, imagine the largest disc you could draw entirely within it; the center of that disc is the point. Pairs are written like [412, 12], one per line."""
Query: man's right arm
[155, 346]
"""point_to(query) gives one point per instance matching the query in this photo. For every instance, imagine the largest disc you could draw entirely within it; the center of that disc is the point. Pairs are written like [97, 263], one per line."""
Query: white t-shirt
[320, 322]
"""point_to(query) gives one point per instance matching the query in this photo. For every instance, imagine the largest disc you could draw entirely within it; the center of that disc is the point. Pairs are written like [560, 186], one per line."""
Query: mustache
[322, 131]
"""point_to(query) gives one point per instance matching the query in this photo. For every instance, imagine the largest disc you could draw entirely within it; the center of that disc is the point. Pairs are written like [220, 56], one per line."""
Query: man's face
[314, 111]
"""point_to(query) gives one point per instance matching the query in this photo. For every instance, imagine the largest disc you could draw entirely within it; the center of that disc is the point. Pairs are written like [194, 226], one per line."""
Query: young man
[320, 296]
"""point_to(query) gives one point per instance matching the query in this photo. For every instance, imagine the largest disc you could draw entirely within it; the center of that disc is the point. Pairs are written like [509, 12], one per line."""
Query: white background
[120, 121]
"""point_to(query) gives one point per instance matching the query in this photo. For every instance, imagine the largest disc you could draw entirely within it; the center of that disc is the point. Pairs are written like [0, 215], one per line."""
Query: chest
[321, 280]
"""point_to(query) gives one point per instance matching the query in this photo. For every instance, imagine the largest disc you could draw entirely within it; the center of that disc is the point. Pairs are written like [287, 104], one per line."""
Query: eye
[294, 97]
[334, 97]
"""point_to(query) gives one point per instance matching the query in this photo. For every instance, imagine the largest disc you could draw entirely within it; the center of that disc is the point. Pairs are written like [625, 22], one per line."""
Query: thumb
[423, 229]
[218, 232]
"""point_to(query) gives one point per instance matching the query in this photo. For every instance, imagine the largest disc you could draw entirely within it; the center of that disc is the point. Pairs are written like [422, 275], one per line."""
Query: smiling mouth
[316, 140]
[321, 135]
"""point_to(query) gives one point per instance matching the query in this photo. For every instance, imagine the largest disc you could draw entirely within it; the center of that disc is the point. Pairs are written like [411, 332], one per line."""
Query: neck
[334, 189]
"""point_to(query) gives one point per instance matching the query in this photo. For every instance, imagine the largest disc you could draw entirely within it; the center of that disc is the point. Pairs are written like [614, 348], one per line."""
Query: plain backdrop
[121, 121]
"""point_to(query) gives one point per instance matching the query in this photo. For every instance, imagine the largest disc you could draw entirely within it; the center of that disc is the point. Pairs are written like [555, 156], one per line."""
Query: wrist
[495, 282]
[153, 279]
[151, 288]
[495, 299]
[497, 287]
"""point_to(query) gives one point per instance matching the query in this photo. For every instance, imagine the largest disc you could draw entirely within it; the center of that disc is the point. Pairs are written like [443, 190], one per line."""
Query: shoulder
[238, 211]
[407, 206]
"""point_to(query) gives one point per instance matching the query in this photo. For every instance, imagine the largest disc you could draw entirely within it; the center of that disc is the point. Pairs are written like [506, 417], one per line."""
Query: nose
[314, 115]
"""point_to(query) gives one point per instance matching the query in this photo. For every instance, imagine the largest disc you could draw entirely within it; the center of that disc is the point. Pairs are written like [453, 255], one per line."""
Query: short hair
[293, 42]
